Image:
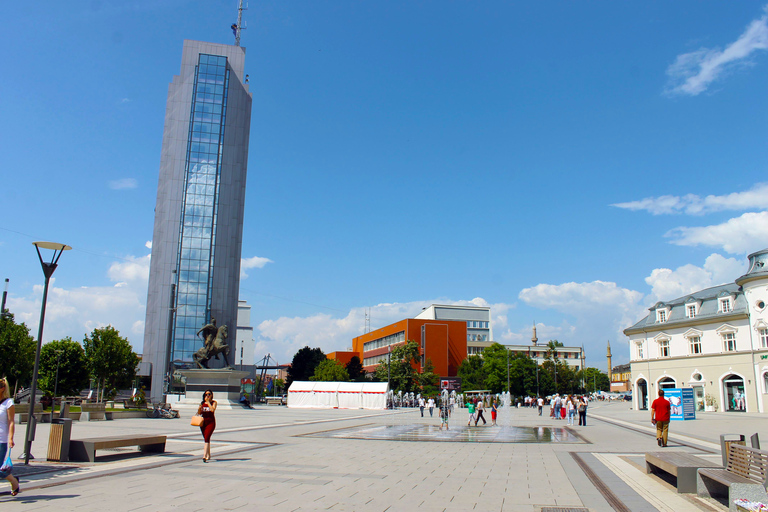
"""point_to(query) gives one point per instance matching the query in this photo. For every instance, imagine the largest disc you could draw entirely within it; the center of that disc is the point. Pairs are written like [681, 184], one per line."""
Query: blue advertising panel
[675, 398]
[689, 404]
[681, 403]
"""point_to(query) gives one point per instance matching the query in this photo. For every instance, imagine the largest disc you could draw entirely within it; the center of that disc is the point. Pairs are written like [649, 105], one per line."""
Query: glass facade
[197, 232]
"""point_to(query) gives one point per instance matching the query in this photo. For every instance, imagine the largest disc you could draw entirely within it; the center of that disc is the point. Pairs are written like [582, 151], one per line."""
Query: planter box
[709, 408]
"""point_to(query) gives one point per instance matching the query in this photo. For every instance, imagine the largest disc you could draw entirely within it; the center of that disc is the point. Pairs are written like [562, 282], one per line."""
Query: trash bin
[58, 440]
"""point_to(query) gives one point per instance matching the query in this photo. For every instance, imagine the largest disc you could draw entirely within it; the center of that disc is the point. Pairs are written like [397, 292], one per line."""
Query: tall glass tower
[197, 241]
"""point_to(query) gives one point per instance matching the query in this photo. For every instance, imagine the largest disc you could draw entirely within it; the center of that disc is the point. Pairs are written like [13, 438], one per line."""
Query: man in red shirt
[660, 418]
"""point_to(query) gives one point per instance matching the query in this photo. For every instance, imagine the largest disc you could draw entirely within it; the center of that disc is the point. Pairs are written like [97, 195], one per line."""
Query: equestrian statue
[214, 343]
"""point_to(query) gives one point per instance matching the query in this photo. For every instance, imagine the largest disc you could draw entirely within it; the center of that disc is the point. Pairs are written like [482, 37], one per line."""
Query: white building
[714, 341]
[478, 318]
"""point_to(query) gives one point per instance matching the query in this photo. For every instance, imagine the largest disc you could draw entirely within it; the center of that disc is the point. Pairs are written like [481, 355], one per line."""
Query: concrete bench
[22, 412]
[84, 450]
[92, 411]
[274, 401]
[681, 465]
[745, 476]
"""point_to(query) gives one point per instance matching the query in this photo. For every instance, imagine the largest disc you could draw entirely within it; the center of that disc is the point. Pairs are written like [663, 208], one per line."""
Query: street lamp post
[48, 269]
[56, 382]
[537, 381]
[5, 295]
[507, 370]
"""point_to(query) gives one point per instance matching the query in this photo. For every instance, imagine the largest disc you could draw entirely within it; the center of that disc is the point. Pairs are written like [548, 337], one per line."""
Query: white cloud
[77, 311]
[667, 284]
[738, 235]
[691, 204]
[600, 311]
[122, 184]
[148, 244]
[284, 336]
[693, 72]
[130, 269]
[254, 262]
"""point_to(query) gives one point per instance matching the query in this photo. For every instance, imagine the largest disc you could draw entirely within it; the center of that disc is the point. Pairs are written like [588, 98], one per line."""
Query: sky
[567, 163]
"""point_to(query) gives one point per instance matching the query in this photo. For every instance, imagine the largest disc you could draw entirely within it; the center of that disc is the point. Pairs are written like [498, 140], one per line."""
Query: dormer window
[690, 310]
[725, 305]
[661, 315]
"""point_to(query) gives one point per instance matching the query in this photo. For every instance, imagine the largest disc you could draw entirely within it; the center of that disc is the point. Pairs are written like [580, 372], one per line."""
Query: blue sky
[567, 163]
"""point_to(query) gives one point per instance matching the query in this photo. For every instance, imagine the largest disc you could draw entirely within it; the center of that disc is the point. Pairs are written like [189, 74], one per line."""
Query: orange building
[343, 357]
[444, 342]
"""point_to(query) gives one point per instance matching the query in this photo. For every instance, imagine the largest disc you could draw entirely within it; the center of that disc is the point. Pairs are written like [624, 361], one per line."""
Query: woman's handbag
[7, 466]
[197, 421]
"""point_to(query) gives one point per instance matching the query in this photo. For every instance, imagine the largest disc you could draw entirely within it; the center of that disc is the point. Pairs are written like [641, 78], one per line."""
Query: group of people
[567, 407]
[475, 408]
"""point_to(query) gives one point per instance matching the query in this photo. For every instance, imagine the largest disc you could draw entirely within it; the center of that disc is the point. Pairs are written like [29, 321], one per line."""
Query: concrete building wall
[170, 197]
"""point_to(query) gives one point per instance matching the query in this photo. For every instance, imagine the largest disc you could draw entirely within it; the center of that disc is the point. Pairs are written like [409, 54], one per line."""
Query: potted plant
[710, 403]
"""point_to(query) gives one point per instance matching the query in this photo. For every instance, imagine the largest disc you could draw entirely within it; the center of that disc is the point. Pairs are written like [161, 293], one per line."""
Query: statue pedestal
[225, 385]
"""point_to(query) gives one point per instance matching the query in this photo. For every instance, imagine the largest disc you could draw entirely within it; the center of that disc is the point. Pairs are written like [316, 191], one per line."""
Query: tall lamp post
[56, 382]
[48, 270]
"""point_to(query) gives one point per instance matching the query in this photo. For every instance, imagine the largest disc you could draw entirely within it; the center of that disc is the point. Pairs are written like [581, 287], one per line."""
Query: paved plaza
[274, 458]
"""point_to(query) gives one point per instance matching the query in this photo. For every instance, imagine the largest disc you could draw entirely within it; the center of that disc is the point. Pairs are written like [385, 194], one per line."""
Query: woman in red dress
[206, 410]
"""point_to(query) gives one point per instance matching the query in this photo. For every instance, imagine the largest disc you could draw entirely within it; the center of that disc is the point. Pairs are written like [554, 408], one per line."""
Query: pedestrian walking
[558, 406]
[571, 409]
[431, 405]
[471, 411]
[480, 412]
[421, 405]
[7, 431]
[494, 410]
[660, 418]
[582, 410]
[207, 410]
[540, 403]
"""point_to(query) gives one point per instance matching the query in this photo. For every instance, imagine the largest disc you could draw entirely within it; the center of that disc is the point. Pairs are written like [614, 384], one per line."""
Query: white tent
[300, 394]
[374, 395]
[326, 395]
[342, 395]
[350, 395]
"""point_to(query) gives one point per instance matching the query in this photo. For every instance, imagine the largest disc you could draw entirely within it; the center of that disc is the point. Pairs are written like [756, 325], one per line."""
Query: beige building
[714, 341]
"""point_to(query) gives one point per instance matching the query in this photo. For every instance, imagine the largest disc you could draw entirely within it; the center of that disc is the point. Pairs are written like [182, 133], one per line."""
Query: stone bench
[84, 450]
[681, 465]
[745, 476]
[92, 411]
[22, 413]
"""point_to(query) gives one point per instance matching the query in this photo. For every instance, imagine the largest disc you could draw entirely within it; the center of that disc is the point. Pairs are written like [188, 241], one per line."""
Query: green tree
[355, 369]
[110, 359]
[330, 371]
[428, 379]
[279, 385]
[594, 380]
[522, 375]
[495, 367]
[73, 372]
[404, 360]
[471, 373]
[18, 352]
[304, 363]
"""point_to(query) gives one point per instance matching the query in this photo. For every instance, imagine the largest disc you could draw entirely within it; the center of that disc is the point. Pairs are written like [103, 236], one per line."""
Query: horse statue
[213, 346]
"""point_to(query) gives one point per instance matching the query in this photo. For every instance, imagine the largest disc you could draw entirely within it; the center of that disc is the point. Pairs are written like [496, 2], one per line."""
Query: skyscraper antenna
[237, 27]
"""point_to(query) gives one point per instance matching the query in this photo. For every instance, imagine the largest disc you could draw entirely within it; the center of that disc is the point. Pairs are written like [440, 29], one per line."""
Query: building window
[385, 341]
[664, 348]
[765, 382]
[640, 350]
[763, 338]
[691, 310]
[661, 315]
[695, 342]
[725, 305]
[729, 341]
